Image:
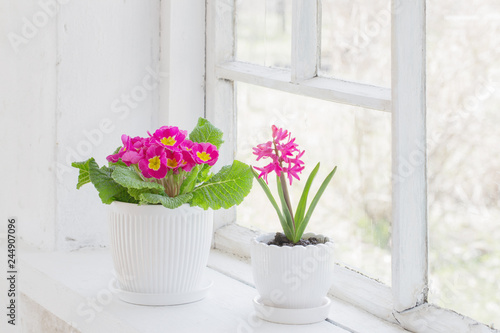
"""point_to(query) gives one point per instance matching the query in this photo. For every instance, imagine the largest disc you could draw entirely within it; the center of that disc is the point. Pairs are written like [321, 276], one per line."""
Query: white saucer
[292, 316]
[164, 299]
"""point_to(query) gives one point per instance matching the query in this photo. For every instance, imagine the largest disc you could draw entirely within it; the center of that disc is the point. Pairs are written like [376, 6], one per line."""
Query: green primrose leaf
[83, 175]
[204, 174]
[190, 181]
[136, 193]
[108, 189]
[128, 178]
[166, 201]
[206, 132]
[225, 189]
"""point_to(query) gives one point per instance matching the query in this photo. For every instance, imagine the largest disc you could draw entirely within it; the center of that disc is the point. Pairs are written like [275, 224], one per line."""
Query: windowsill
[76, 288]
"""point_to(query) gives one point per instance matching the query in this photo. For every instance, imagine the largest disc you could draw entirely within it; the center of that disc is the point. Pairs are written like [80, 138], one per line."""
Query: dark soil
[281, 240]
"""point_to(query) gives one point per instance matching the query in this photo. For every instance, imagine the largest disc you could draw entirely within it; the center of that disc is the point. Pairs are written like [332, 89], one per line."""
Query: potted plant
[161, 194]
[292, 271]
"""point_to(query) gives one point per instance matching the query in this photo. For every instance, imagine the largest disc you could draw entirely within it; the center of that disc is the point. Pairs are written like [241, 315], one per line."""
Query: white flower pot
[294, 278]
[160, 254]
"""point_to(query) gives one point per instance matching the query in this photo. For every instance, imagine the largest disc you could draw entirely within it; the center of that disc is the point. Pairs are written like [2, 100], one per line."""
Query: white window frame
[404, 303]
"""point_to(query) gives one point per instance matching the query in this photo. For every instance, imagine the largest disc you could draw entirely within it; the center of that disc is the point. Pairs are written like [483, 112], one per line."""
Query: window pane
[355, 210]
[463, 43]
[356, 40]
[263, 32]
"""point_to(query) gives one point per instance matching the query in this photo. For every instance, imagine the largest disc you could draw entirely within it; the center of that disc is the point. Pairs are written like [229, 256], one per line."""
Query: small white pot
[160, 254]
[297, 277]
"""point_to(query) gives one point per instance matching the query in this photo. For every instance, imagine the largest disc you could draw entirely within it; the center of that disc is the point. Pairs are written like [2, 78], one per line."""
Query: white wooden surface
[234, 239]
[364, 292]
[82, 281]
[220, 107]
[182, 95]
[429, 318]
[305, 39]
[27, 103]
[409, 201]
[101, 69]
[333, 90]
[66, 94]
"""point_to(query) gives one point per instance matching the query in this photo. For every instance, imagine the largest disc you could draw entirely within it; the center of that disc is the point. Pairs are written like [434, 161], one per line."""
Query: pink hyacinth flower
[264, 150]
[279, 133]
[154, 163]
[284, 153]
[268, 169]
[293, 172]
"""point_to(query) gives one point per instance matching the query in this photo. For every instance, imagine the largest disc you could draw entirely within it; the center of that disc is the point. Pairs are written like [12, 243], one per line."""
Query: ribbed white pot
[297, 277]
[158, 252]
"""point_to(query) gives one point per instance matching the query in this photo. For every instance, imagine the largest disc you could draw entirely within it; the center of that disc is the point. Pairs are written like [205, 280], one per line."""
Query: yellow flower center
[154, 163]
[170, 141]
[203, 156]
[171, 163]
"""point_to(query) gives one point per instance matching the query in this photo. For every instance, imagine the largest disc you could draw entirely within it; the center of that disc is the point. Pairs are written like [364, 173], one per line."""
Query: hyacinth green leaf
[206, 132]
[315, 201]
[225, 189]
[284, 225]
[286, 211]
[166, 201]
[190, 181]
[301, 207]
[83, 176]
[108, 189]
[128, 178]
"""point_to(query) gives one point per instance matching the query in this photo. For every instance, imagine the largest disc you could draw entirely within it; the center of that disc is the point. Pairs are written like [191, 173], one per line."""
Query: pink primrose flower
[169, 137]
[116, 157]
[135, 150]
[154, 162]
[174, 159]
[188, 161]
[205, 153]
[187, 145]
